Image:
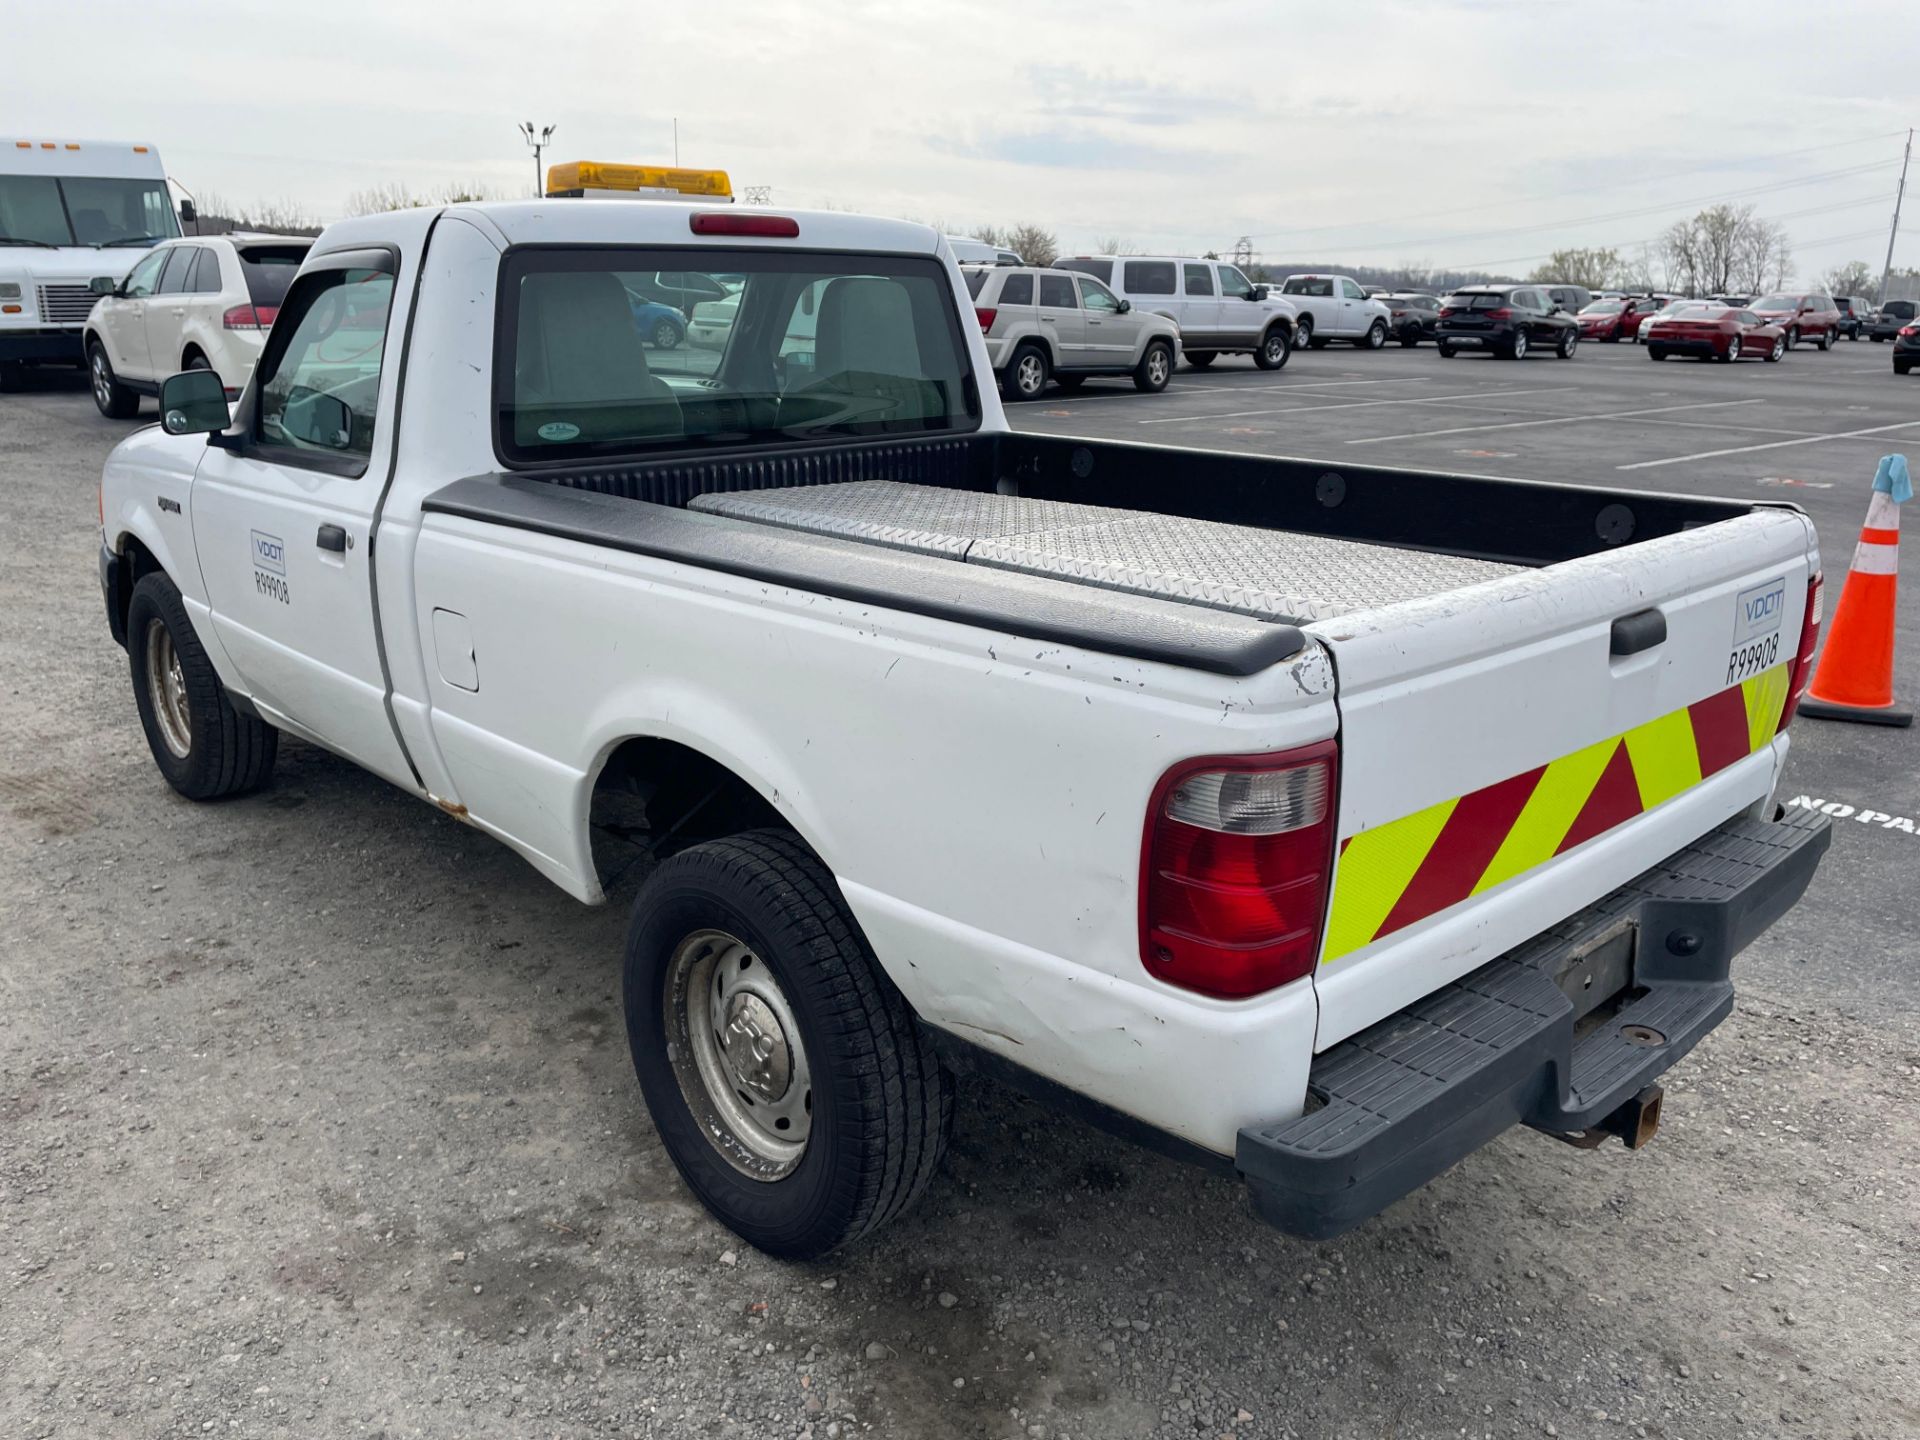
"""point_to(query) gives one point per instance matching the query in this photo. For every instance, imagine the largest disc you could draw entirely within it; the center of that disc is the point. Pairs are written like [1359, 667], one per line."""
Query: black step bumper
[1400, 1102]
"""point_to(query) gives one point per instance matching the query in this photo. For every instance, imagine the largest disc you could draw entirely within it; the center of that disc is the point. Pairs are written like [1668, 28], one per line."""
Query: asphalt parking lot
[316, 1116]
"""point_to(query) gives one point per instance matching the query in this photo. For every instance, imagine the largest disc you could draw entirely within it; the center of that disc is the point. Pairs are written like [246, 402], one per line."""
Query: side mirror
[188, 215]
[1125, 306]
[104, 285]
[1259, 292]
[193, 403]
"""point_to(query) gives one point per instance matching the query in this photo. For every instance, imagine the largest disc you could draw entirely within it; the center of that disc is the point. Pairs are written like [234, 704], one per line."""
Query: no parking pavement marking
[1840, 810]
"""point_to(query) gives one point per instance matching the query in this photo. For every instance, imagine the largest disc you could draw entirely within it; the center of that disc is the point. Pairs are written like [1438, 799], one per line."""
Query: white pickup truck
[1335, 307]
[1315, 823]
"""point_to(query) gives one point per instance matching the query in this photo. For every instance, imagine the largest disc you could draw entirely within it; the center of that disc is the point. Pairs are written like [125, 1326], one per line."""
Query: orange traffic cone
[1855, 678]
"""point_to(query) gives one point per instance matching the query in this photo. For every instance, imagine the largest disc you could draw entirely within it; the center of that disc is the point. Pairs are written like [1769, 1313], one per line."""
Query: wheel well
[654, 797]
[140, 563]
[188, 354]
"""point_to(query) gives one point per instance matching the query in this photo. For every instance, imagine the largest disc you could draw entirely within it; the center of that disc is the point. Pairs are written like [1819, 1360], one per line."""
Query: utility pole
[1886, 270]
[538, 139]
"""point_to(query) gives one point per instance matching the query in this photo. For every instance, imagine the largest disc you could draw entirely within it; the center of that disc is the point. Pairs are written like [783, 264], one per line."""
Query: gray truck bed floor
[1274, 573]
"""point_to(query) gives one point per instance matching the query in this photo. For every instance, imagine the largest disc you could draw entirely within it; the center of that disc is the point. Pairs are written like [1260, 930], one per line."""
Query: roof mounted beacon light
[595, 179]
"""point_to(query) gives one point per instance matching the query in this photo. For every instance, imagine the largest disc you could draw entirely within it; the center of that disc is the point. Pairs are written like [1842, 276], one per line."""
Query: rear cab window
[801, 347]
[269, 270]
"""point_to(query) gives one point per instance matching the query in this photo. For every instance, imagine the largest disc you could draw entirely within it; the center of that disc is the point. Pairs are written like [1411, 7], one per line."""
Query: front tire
[1793, 338]
[1779, 349]
[666, 335]
[204, 747]
[746, 979]
[1027, 375]
[1825, 342]
[1376, 335]
[1569, 341]
[110, 397]
[1275, 349]
[1444, 350]
[1203, 359]
[1656, 352]
[1155, 368]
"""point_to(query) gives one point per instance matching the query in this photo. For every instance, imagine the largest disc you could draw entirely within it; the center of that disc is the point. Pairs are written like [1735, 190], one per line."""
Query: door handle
[1637, 632]
[332, 537]
[1048, 320]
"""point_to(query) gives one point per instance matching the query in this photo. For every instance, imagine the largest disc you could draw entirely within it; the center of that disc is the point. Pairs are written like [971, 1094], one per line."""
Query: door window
[1199, 279]
[1147, 277]
[1016, 290]
[1057, 290]
[1352, 291]
[1096, 297]
[145, 276]
[206, 274]
[319, 391]
[179, 261]
[1233, 284]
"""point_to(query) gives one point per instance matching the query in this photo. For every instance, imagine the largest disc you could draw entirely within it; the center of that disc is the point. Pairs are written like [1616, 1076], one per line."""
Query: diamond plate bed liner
[1406, 1098]
[1271, 573]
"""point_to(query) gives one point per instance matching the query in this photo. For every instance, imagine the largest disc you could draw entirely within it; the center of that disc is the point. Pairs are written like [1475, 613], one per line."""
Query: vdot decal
[270, 567]
[1840, 810]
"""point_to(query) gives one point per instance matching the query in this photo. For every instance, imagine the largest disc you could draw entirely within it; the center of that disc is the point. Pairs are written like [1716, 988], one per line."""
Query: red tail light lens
[1446, 310]
[986, 315]
[773, 227]
[1910, 329]
[1503, 313]
[1802, 672]
[250, 317]
[1235, 870]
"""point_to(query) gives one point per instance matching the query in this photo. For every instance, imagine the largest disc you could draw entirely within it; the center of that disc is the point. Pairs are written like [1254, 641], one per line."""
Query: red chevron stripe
[1462, 851]
[1719, 730]
[1615, 800]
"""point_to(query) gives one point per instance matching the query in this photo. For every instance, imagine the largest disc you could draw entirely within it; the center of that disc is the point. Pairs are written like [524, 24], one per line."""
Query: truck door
[1200, 306]
[167, 311]
[1354, 314]
[124, 318]
[282, 521]
[1061, 320]
[1111, 338]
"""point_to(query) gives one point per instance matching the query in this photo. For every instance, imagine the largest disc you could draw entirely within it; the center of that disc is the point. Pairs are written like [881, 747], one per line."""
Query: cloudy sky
[1455, 133]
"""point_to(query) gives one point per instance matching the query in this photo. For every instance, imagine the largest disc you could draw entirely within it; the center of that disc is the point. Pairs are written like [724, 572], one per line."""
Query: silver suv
[1045, 325]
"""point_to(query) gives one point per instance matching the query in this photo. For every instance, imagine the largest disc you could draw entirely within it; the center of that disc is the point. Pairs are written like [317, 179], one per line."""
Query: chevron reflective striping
[1396, 874]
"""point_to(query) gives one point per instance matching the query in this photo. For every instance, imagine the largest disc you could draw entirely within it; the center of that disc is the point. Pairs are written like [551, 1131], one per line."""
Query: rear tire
[1516, 348]
[1201, 360]
[794, 979]
[1731, 353]
[1568, 343]
[1825, 342]
[1276, 348]
[1027, 375]
[1656, 352]
[204, 747]
[1902, 367]
[1444, 350]
[110, 397]
[666, 335]
[1155, 368]
[1303, 331]
[1069, 382]
[1409, 341]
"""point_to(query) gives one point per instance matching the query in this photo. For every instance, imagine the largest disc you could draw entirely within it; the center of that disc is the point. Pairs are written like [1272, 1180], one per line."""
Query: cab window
[1016, 290]
[1096, 297]
[1352, 291]
[1057, 291]
[180, 260]
[1233, 284]
[319, 390]
[1199, 279]
[145, 276]
[1147, 277]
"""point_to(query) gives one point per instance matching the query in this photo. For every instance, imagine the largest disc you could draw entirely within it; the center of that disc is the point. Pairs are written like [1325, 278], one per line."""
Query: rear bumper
[1406, 1099]
[43, 343]
[1689, 346]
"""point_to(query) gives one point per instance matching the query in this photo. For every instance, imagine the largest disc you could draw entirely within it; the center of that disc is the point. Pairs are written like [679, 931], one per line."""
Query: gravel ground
[316, 1120]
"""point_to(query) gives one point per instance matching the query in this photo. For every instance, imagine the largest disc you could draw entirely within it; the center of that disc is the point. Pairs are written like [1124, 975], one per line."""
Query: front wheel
[1155, 368]
[1409, 340]
[1445, 351]
[1569, 340]
[1825, 342]
[666, 334]
[1656, 352]
[1793, 338]
[1201, 360]
[1517, 347]
[113, 399]
[1027, 376]
[788, 1080]
[204, 747]
[1274, 351]
[1779, 349]
[1376, 335]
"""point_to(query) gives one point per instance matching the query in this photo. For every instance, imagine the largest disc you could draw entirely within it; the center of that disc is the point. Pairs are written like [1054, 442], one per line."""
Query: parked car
[1509, 320]
[1715, 332]
[1043, 325]
[1414, 317]
[1334, 307]
[1906, 348]
[1218, 310]
[1889, 318]
[682, 290]
[661, 326]
[1615, 319]
[1732, 302]
[1855, 312]
[1102, 767]
[203, 303]
[1668, 305]
[1570, 298]
[968, 251]
[1803, 317]
[711, 323]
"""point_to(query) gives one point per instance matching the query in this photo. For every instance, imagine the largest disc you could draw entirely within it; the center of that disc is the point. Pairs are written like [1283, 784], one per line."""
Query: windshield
[50, 210]
[270, 270]
[1604, 307]
[811, 346]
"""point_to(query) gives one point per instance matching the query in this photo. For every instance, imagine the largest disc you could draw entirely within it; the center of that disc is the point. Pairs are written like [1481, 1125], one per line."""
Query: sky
[1457, 134]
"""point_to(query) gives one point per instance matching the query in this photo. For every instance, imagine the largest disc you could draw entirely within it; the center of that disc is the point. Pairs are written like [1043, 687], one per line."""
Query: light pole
[538, 140]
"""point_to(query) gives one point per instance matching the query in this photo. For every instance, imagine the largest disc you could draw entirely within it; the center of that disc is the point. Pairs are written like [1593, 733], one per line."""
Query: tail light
[1503, 313]
[1446, 310]
[1910, 330]
[250, 317]
[1802, 672]
[1235, 870]
[986, 315]
[773, 227]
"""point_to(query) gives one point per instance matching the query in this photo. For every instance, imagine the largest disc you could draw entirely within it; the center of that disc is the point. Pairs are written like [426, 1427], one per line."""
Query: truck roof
[99, 159]
[656, 222]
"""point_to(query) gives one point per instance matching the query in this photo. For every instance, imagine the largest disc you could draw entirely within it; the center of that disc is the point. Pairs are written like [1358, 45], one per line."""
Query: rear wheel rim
[1028, 375]
[1519, 344]
[1305, 332]
[734, 1044]
[167, 690]
[102, 380]
[664, 335]
[1158, 366]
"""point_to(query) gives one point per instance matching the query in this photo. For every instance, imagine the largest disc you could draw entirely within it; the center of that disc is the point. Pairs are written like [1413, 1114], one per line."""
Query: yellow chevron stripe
[1766, 696]
[1549, 813]
[1373, 873]
[1665, 759]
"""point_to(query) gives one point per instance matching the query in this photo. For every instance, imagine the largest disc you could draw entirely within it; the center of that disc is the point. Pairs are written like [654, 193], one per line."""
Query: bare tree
[1115, 245]
[1724, 248]
[275, 217]
[1595, 269]
[395, 195]
[988, 234]
[1856, 277]
[1034, 244]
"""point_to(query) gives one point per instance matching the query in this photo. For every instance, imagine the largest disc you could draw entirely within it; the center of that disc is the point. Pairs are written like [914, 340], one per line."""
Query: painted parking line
[1554, 420]
[1216, 389]
[1351, 405]
[1771, 445]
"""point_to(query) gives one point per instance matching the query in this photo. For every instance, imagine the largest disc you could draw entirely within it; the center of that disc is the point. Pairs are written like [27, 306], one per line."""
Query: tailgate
[1502, 765]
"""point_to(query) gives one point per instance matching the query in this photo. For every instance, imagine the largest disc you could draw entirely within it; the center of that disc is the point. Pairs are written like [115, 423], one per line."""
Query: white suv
[1050, 324]
[1219, 311]
[205, 302]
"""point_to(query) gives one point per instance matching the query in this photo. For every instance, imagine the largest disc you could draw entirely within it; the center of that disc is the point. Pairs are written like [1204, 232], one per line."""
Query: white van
[69, 211]
[1219, 311]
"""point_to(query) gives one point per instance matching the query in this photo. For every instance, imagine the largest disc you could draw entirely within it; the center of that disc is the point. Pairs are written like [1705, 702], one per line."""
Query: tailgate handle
[1642, 631]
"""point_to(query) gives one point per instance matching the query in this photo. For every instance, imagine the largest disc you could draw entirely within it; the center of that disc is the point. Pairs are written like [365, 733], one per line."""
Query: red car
[1612, 320]
[1714, 332]
[1803, 317]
